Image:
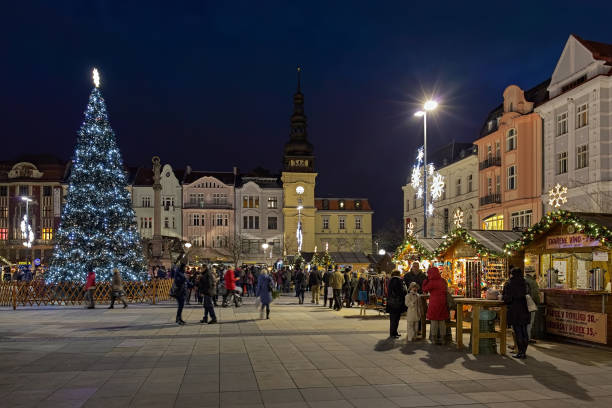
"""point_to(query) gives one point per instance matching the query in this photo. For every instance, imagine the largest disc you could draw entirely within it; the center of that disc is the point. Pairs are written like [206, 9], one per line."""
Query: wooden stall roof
[494, 240]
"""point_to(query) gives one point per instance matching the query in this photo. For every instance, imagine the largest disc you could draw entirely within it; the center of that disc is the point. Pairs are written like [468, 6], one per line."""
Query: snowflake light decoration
[557, 196]
[420, 155]
[415, 178]
[430, 169]
[437, 186]
[410, 228]
[458, 218]
[430, 209]
[420, 193]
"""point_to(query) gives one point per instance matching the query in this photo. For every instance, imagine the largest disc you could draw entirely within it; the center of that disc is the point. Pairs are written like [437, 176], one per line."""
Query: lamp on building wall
[298, 233]
[428, 106]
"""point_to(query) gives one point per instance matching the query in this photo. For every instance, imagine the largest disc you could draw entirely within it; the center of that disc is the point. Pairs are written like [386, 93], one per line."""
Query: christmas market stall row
[570, 254]
[470, 261]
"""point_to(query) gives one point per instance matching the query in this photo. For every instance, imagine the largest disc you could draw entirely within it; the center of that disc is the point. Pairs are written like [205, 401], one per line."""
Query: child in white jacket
[413, 315]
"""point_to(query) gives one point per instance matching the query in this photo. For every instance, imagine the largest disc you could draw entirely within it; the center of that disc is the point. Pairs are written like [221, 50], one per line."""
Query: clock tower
[298, 179]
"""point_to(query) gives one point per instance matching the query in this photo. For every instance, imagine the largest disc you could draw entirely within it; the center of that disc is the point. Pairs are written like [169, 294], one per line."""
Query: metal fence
[38, 293]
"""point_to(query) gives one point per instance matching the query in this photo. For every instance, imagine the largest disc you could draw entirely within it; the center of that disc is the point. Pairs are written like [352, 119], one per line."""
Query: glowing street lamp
[298, 233]
[427, 106]
[381, 252]
[26, 228]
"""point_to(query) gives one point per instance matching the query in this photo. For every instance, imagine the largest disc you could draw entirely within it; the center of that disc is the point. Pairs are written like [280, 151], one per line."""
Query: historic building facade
[343, 225]
[40, 179]
[259, 218]
[458, 165]
[208, 214]
[577, 119]
[171, 202]
[510, 162]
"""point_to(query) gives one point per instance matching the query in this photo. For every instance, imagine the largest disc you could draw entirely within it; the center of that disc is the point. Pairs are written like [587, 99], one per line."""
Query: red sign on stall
[577, 324]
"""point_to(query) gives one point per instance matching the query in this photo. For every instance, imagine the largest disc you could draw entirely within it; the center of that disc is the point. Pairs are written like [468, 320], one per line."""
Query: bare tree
[236, 248]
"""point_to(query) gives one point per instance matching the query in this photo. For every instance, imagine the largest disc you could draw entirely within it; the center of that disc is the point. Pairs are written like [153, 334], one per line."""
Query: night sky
[210, 84]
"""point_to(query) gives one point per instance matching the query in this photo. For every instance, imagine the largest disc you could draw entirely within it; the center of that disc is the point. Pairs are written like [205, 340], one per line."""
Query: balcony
[491, 199]
[207, 206]
[490, 162]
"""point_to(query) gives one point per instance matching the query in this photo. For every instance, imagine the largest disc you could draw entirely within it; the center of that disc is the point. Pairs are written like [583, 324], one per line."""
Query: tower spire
[299, 79]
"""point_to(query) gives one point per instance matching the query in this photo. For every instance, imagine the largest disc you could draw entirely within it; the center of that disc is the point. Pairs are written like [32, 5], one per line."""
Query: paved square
[304, 356]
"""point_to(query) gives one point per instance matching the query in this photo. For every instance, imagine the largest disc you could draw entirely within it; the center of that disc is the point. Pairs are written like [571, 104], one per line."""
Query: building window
[168, 202]
[146, 222]
[195, 219]
[358, 204]
[407, 205]
[497, 149]
[173, 223]
[272, 202]
[489, 152]
[521, 219]
[220, 198]
[358, 222]
[250, 202]
[3, 212]
[196, 241]
[446, 220]
[220, 241]
[511, 140]
[493, 222]
[582, 156]
[498, 184]
[341, 222]
[166, 222]
[24, 191]
[562, 124]
[489, 186]
[582, 116]
[47, 211]
[47, 234]
[3, 191]
[326, 204]
[414, 203]
[469, 183]
[341, 204]
[220, 220]
[326, 222]
[511, 177]
[562, 163]
[47, 191]
[3, 234]
[251, 222]
[459, 186]
[272, 223]
[146, 201]
[469, 221]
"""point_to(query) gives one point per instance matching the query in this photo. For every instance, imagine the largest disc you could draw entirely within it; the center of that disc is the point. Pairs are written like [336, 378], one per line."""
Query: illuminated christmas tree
[98, 230]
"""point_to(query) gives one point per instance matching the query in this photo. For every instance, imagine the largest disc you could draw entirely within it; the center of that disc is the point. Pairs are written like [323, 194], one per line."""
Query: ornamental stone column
[157, 237]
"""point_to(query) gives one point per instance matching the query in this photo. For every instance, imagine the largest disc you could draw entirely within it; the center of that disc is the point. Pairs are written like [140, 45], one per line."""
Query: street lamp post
[428, 106]
[26, 227]
[299, 190]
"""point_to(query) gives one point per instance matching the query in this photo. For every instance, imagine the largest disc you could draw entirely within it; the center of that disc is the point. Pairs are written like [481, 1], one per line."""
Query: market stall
[570, 254]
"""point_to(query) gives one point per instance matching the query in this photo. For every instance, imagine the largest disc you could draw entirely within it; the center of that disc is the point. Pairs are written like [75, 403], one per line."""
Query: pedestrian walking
[514, 295]
[208, 288]
[437, 311]
[117, 290]
[180, 292]
[327, 288]
[413, 312]
[396, 302]
[336, 282]
[264, 292]
[90, 289]
[300, 285]
[314, 281]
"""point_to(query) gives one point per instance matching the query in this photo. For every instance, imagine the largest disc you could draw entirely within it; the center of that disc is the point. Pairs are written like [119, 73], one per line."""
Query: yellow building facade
[343, 225]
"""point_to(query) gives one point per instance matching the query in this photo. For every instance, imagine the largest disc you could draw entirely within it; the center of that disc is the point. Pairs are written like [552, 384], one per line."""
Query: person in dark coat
[300, 285]
[326, 278]
[514, 295]
[208, 288]
[437, 312]
[415, 274]
[181, 292]
[314, 282]
[395, 302]
[264, 292]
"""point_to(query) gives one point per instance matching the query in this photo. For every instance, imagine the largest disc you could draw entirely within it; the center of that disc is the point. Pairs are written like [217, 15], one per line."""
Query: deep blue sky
[210, 84]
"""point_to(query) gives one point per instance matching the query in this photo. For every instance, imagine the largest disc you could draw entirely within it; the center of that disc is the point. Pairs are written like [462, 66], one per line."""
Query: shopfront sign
[570, 241]
[601, 256]
[577, 324]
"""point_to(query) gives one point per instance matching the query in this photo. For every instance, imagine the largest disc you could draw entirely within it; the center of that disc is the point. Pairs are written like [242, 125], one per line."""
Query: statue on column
[157, 247]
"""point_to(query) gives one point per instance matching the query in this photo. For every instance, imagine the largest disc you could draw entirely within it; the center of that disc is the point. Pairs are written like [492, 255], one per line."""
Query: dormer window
[326, 204]
[341, 204]
[358, 204]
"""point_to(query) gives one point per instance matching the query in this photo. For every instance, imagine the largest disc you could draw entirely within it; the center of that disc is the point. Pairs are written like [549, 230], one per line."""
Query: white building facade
[171, 202]
[577, 122]
[259, 219]
[458, 165]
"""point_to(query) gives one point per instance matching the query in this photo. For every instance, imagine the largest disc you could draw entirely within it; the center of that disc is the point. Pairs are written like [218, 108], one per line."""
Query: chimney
[187, 169]
[235, 170]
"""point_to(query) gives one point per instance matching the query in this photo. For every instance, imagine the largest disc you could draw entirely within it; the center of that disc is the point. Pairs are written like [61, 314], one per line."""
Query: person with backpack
[208, 288]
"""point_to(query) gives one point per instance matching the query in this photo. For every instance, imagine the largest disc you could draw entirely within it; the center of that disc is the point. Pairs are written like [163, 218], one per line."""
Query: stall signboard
[601, 256]
[570, 241]
[577, 324]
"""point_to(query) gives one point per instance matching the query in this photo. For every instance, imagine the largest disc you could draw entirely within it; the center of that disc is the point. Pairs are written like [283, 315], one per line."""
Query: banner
[570, 241]
[577, 324]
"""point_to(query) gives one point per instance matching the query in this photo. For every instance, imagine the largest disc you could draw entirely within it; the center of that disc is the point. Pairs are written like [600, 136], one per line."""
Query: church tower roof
[298, 152]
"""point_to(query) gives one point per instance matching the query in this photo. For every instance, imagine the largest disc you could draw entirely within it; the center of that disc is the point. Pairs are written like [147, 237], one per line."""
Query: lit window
[3, 234]
[341, 204]
[582, 116]
[511, 174]
[582, 156]
[511, 140]
[47, 234]
[562, 163]
[494, 222]
[562, 124]
[272, 202]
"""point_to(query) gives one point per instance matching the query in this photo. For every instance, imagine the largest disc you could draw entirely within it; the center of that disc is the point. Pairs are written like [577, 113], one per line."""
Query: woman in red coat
[437, 311]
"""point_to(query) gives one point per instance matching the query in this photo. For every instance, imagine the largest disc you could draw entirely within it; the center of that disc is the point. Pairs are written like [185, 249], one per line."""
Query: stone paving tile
[305, 356]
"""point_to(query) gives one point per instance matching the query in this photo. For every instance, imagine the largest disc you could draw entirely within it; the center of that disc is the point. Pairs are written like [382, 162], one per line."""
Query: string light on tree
[458, 218]
[557, 195]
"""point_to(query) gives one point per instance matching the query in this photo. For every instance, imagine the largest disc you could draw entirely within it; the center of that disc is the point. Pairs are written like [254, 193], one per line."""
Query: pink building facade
[510, 162]
[208, 214]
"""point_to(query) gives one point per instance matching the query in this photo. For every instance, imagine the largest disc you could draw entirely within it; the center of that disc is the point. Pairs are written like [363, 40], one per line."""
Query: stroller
[232, 296]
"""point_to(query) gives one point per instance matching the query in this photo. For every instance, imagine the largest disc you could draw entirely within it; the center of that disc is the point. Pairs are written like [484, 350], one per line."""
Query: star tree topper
[557, 196]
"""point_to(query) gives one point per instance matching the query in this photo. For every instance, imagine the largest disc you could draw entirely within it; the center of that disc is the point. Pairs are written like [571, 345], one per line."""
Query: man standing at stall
[534, 292]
